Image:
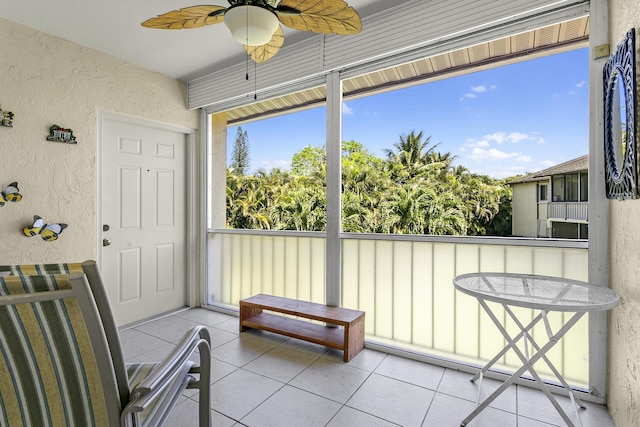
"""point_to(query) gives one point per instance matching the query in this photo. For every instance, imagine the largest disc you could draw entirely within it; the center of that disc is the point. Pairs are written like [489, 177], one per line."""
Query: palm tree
[414, 156]
[403, 210]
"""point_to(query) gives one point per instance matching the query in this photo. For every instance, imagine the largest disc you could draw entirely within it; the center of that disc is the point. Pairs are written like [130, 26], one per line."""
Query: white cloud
[346, 110]
[581, 84]
[548, 163]
[480, 154]
[477, 89]
[524, 159]
[498, 137]
[515, 137]
[482, 143]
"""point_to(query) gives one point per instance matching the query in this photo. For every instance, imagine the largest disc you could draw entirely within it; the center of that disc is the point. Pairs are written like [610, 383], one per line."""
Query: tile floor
[264, 379]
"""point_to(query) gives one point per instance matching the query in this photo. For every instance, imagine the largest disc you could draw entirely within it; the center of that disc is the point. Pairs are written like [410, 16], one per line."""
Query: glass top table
[537, 292]
[543, 294]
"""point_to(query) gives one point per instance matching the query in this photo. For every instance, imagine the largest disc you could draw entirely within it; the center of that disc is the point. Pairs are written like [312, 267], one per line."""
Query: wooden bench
[348, 336]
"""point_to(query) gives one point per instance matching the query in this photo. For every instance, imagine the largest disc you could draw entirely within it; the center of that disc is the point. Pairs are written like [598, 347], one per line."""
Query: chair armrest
[195, 337]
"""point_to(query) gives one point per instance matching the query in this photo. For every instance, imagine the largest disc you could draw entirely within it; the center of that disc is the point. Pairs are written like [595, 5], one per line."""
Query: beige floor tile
[281, 363]
[205, 317]
[331, 378]
[535, 405]
[290, 406]
[392, 400]
[411, 371]
[243, 349]
[449, 411]
[349, 417]
[241, 392]
[459, 384]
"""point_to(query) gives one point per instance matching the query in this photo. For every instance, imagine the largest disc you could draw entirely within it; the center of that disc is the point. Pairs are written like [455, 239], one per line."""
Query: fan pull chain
[247, 40]
[255, 81]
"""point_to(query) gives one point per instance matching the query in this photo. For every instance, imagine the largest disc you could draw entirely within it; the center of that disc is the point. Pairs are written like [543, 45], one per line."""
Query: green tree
[414, 156]
[414, 190]
[310, 161]
[240, 156]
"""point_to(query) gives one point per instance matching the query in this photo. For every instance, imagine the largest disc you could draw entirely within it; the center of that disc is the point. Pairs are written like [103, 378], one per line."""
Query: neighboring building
[553, 202]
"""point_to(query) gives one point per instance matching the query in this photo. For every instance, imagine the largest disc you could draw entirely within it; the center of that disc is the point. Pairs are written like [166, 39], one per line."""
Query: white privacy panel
[405, 287]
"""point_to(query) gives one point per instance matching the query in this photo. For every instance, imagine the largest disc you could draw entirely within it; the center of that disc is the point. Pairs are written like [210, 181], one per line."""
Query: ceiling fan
[256, 23]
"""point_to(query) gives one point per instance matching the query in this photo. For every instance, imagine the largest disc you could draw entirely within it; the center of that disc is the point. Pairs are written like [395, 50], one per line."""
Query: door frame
[194, 253]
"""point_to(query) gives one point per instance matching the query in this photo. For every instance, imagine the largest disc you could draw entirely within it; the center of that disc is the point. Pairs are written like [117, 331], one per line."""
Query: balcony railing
[404, 284]
[568, 211]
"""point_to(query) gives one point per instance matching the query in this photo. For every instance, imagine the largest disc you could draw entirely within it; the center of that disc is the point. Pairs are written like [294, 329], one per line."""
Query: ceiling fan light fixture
[251, 25]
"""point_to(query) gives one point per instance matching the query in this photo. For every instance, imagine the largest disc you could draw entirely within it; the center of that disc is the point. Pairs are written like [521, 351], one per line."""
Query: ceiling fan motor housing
[251, 25]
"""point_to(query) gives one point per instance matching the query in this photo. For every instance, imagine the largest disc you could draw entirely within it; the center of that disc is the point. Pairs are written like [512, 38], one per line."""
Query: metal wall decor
[620, 147]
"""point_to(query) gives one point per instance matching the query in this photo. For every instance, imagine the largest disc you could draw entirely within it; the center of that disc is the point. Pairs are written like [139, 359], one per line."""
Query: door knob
[105, 227]
[106, 242]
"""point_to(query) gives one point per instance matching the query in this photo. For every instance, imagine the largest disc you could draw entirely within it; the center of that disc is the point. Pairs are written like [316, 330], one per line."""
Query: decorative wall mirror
[620, 148]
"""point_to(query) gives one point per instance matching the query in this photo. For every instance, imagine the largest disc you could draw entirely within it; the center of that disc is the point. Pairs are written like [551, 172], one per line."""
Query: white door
[143, 195]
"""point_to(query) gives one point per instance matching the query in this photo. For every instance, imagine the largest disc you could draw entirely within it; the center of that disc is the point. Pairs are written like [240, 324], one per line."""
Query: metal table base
[527, 362]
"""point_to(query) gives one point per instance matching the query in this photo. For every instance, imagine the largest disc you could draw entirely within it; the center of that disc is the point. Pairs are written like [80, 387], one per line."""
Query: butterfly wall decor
[11, 194]
[48, 232]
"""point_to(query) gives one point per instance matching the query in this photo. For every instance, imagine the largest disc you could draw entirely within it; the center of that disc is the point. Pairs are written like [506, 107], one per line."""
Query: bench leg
[245, 313]
[353, 339]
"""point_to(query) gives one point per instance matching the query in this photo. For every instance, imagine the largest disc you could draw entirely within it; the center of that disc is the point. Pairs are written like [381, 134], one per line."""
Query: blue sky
[499, 122]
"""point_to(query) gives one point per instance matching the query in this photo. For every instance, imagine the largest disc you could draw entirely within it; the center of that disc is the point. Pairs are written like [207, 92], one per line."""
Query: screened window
[558, 188]
[584, 187]
[543, 192]
[276, 174]
[571, 187]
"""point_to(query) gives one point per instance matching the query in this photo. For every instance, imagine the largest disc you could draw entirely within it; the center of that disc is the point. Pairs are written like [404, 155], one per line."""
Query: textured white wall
[46, 80]
[624, 268]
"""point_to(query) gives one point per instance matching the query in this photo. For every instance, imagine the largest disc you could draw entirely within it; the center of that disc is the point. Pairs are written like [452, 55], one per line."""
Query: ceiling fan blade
[265, 52]
[319, 16]
[189, 17]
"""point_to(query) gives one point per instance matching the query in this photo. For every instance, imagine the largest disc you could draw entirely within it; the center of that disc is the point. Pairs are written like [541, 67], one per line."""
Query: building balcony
[568, 211]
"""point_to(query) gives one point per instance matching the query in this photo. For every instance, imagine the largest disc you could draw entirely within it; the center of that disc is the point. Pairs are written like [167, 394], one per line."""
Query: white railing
[568, 211]
[404, 284]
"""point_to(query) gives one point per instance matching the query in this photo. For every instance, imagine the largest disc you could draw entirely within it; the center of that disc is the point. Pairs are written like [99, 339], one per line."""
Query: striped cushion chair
[61, 362]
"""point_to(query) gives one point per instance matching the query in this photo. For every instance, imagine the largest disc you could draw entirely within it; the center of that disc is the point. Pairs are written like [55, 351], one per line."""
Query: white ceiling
[113, 27]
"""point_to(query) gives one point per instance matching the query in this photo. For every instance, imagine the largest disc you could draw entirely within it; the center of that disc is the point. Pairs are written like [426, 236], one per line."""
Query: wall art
[48, 232]
[620, 147]
[6, 118]
[11, 194]
[59, 134]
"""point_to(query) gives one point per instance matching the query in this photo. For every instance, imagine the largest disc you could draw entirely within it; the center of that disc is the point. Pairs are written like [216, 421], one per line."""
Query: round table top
[537, 292]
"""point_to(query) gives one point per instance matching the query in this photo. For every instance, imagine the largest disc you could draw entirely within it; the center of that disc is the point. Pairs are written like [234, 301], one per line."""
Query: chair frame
[88, 288]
